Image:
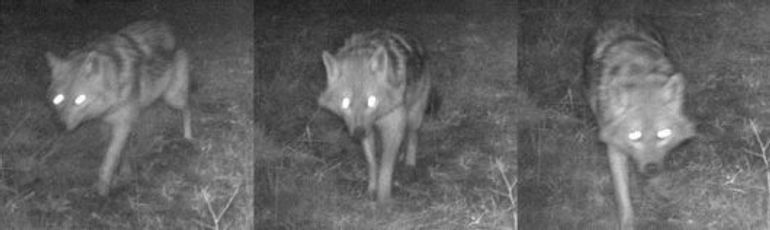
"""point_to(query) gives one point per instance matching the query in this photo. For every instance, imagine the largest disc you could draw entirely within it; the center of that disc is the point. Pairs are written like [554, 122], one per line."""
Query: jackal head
[361, 87]
[645, 119]
[79, 87]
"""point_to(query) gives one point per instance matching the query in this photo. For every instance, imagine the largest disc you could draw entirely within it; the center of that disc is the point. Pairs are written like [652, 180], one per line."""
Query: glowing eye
[372, 102]
[346, 103]
[80, 99]
[58, 99]
[664, 133]
[635, 135]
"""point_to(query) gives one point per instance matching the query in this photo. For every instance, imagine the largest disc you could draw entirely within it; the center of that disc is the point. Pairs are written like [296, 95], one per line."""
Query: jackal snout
[652, 169]
[67, 121]
[649, 163]
[358, 133]
[652, 159]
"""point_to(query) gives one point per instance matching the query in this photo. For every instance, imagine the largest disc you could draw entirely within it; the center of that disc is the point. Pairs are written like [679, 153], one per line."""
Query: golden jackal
[117, 76]
[377, 80]
[636, 96]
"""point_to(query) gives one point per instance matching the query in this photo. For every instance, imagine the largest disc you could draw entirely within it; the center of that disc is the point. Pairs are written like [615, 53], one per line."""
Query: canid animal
[114, 78]
[636, 96]
[376, 80]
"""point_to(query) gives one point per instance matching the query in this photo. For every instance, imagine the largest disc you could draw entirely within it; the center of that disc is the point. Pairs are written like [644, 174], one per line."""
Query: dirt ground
[316, 174]
[715, 181]
[47, 173]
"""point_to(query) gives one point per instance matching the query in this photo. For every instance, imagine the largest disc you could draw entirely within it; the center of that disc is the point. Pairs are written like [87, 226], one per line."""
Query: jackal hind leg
[619, 168]
[177, 93]
[412, 139]
[121, 122]
[392, 128]
[409, 170]
[416, 114]
[125, 169]
[368, 143]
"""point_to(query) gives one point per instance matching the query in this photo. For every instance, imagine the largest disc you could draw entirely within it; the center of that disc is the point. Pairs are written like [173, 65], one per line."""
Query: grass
[316, 172]
[712, 183]
[266, 155]
[201, 184]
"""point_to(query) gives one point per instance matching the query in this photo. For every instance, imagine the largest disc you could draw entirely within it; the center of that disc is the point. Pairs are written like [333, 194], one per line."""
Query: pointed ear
[53, 60]
[53, 63]
[91, 64]
[331, 66]
[97, 68]
[618, 99]
[379, 63]
[673, 91]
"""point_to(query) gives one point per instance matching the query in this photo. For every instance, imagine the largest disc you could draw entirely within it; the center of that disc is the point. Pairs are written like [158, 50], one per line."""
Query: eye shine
[58, 99]
[345, 103]
[80, 99]
[635, 135]
[664, 133]
[371, 102]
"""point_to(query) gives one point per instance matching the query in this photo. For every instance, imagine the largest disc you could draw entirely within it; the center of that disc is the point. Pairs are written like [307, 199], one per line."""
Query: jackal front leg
[619, 167]
[121, 128]
[415, 117]
[368, 143]
[392, 129]
[177, 93]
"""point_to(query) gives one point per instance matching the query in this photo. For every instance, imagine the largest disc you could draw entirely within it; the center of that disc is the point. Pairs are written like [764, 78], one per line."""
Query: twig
[763, 146]
[16, 128]
[217, 217]
[510, 186]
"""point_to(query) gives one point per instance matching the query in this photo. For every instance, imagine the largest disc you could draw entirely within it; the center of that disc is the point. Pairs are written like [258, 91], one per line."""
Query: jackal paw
[371, 194]
[385, 203]
[102, 188]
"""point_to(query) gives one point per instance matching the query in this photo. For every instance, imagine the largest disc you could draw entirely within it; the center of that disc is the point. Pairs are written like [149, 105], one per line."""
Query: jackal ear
[96, 65]
[379, 63]
[330, 64]
[53, 60]
[673, 90]
[618, 99]
[91, 64]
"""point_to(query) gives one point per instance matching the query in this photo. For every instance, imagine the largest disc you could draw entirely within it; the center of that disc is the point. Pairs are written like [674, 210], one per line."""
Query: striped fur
[636, 96]
[376, 82]
[114, 78]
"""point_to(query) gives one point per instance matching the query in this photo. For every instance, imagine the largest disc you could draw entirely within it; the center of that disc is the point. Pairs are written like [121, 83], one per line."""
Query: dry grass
[467, 151]
[713, 184]
[204, 184]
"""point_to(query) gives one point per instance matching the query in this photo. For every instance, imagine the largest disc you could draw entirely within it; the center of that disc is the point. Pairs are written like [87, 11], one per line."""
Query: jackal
[376, 80]
[114, 78]
[636, 96]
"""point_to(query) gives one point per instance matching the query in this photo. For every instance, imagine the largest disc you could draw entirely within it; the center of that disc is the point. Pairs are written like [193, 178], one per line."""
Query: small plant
[764, 144]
